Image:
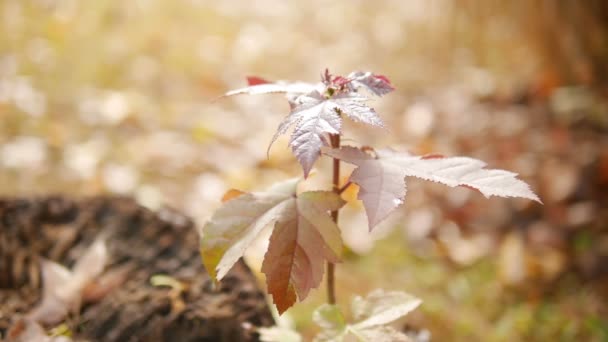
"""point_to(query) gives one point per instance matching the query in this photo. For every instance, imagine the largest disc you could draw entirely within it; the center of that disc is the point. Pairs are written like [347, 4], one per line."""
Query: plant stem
[344, 187]
[331, 288]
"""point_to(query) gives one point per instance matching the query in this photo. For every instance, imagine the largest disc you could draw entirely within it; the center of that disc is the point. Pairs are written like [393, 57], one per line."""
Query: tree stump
[144, 242]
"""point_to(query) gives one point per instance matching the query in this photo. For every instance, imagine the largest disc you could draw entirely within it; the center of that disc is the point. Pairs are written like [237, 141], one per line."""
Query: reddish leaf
[254, 80]
[432, 156]
[376, 84]
[302, 240]
[238, 222]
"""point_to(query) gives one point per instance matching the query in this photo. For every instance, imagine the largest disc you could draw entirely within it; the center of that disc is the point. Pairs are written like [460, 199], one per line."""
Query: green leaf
[329, 317]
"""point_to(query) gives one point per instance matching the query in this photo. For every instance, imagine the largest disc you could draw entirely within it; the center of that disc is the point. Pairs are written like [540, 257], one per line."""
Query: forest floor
[116, 98]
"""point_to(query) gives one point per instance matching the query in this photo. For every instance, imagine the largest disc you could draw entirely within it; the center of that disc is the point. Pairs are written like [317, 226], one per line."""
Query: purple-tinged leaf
[353, 105]
[461, 171]
[315, 116]
[376, 84]
[303, 239]
[235, 225]
[382, 185]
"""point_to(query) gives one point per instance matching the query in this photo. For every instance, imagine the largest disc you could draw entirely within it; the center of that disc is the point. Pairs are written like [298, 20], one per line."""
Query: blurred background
[117, 97]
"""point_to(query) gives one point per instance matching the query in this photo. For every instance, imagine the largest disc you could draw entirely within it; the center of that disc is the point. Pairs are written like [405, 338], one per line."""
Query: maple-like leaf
[62, 289]
[303, 238]
[376, 84]
[371, 315]
[382, 185]
[316, 109]
[315, 116]
[235, 225]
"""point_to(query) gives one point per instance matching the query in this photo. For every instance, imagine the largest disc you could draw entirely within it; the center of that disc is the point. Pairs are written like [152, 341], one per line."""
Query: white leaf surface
[353, 105]
[279, 334]
[371, 315]
[460, 171]
[376, 84]
[380, 307]
[315, 116]
[236, 224]
[382, 184]
[380, 334]
[278, 87]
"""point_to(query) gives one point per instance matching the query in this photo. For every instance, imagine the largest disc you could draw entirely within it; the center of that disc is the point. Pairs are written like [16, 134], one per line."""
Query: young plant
[306, 232]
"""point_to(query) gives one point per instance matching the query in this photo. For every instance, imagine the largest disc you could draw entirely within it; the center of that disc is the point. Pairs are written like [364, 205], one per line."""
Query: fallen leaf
[27, 330]
[62, 289]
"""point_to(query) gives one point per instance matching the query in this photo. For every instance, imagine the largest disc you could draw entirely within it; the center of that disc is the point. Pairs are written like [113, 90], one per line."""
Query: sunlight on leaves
[304, 237]
[279, 334]
[381, 178]
[235, 225]
[317, 109]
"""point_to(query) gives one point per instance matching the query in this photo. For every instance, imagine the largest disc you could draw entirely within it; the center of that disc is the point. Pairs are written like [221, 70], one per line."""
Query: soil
[141, 244]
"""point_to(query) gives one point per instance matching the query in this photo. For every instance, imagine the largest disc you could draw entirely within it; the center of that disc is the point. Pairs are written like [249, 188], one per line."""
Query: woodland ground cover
[115, 97]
